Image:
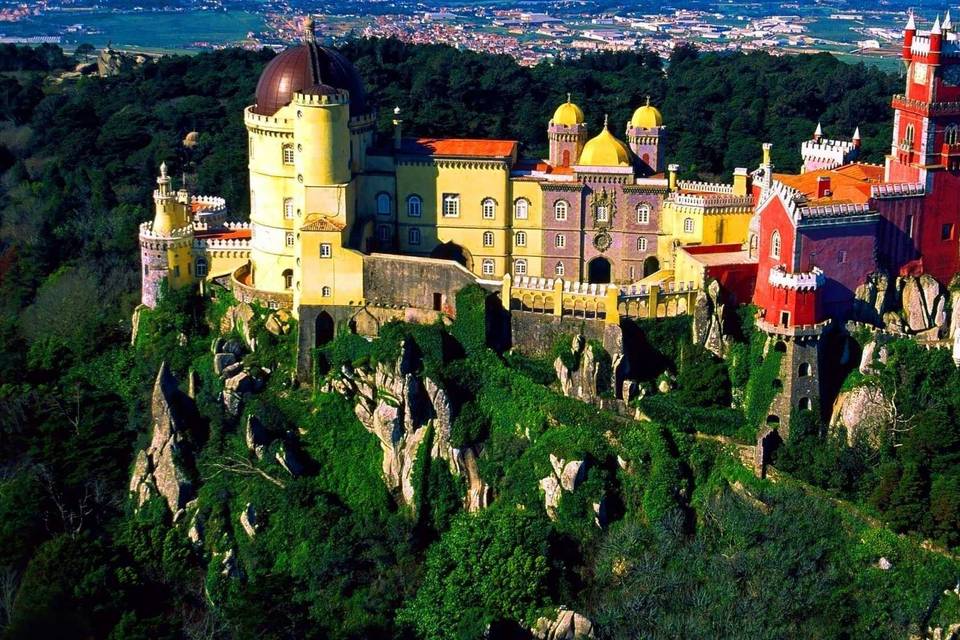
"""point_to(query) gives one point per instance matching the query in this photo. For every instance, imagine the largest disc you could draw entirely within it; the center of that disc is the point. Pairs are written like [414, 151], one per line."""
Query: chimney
[741, 181]
[823, 186]
[672, 175]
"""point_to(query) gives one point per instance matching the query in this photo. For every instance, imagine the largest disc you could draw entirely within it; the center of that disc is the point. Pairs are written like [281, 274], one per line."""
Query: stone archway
[650, 266]
[599, 271]
[455, 252]
[323, 327]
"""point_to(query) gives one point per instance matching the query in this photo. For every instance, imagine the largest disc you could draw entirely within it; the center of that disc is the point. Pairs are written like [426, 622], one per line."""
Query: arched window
[288, 208]
[289, 239]
[288, 278]
[521, 209]
[414, 206]
[489, 207]
[488, 267]
[754, 243]
[641, 244]
[688, 225]
[488, 238]
[560, 209]
[413, 235]
[803, 370]
[775, 245]
[201, 267]
[643, 214]
[909, 136]
[520, 267]
[383, 204]
[287, 154]
[558, 270]
[804, 404]
[521, 238]
[952, 134]
[326, 292]
[560, 242]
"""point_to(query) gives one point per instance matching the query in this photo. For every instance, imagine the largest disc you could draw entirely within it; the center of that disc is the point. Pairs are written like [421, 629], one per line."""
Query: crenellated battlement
[897, 190]
[706, 187]
[806, 281]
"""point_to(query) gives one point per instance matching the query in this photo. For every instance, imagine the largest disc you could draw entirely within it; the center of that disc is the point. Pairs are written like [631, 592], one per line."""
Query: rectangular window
[288, 208]
[451, 205]
[437, 301]
[946, 232]
[288, 154]
[601, 213]
[842, 257]
[383, 233]
[560, 241]
[289, 239]
[413, 236]
[176, 271]
[326, 250]
[784, 318]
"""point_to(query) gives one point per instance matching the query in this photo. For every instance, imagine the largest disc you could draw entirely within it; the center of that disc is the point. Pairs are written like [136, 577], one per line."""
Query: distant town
[537, 32]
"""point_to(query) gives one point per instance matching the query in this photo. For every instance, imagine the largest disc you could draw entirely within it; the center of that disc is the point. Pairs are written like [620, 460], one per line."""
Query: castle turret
[908, 33]
[646, 136]
[567, 131]
[166, 243]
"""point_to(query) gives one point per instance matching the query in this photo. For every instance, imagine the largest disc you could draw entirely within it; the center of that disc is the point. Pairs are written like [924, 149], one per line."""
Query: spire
[935, 31]
[947, 24]
[648, 101]
[308, 33]
[856, 133]
[163, 169]
[605, 119]
[818, 133]
[568, 97]
[911, 25]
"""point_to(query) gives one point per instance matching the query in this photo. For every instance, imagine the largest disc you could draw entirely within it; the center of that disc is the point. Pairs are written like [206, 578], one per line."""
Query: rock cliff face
[872, 298]
[708, 327]
[924, 303]
[596, 374]
[165, 466]
[862, 412]
[565, 476]
[398, 407]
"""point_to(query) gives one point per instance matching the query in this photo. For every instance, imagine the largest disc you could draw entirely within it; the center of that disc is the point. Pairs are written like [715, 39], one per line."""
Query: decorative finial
[163, 170]
[568, 97]
[911, 25]
[308, 33]
[396, 110]
[648, 101]
[605, 119]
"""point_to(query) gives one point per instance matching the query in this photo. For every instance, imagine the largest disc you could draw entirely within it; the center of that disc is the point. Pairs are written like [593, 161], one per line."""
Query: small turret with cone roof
[908, 32]
[856, 138]
[947, 24]
[818, 133]
[936, 40]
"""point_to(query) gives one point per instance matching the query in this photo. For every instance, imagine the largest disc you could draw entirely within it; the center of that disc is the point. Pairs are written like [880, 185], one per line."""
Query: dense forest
[851, 540]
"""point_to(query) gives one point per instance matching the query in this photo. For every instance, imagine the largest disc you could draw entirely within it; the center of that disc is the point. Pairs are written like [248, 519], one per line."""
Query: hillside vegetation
[297, 532]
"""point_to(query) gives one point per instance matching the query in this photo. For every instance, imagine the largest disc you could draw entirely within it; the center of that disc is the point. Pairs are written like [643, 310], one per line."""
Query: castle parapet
[705, 187]
[807, 281]
[245, 292]
[897, 190]
[147, 233]
[713, 203]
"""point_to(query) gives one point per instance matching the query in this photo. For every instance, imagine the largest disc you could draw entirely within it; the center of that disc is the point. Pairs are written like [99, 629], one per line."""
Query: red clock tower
[925, 150]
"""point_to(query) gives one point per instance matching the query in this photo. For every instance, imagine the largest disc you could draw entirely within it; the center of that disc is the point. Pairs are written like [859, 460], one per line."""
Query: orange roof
[848, 184]
[233, 234]
[323, 224]
[459, 147]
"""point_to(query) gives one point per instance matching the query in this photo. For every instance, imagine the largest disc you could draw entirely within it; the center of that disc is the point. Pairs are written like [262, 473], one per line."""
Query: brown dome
[303, 68]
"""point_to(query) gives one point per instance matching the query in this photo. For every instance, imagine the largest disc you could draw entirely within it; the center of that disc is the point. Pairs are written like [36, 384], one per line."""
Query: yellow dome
[605, 151]
[568, 114]
[646, 117]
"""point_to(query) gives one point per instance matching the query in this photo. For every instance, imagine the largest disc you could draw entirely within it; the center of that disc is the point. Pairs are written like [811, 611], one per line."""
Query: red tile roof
[848, 184]
[235, 234]
[459, 147]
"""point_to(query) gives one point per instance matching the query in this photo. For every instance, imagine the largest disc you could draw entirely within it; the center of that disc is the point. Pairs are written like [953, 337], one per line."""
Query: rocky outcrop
[248, 520]
[397, 407]
[564, 476]
[924, 304]
[563, 625]
[278, 322]
[256, 436]
[590, 373]
[874, 353]
[872, 299]
[863, 413]
[239, 318]
[165, 467]
[708, 326]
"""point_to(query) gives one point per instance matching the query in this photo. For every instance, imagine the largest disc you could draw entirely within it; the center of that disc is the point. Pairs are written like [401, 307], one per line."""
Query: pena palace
[343, 219]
